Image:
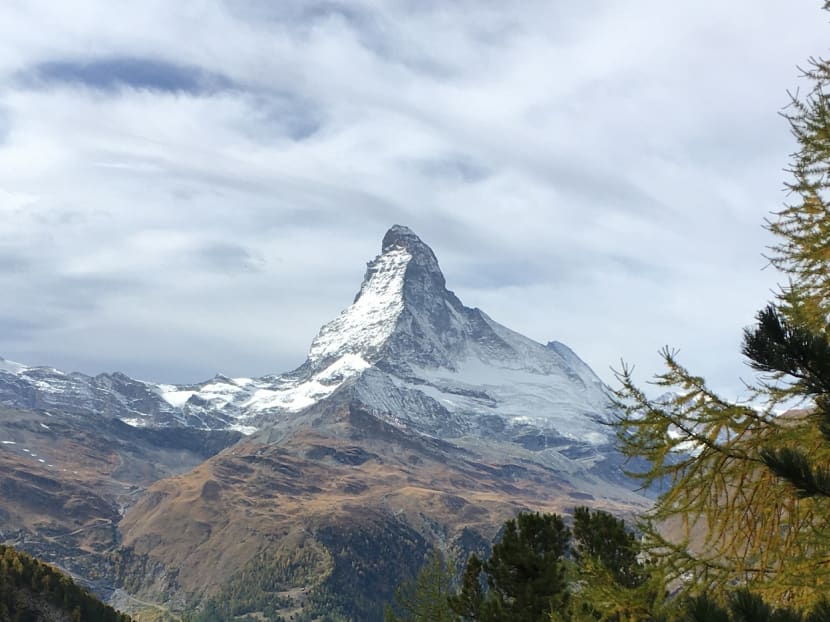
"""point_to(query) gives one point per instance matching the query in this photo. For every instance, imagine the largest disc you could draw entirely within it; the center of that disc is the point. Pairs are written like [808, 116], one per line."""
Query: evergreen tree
[530, 574]
[778, 347]
[610, 582]
[803, 226]
[526, 571]
[744, 606]
[525, 574]
[603, 537]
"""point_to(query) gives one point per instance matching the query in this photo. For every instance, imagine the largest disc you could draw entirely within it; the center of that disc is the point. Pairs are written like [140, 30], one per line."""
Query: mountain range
[414, 422]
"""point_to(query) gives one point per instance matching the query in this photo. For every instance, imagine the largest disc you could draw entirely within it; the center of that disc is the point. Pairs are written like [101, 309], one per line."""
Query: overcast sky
[195, 187]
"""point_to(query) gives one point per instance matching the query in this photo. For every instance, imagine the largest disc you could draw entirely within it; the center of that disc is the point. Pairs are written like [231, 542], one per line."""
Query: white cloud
[595, 173]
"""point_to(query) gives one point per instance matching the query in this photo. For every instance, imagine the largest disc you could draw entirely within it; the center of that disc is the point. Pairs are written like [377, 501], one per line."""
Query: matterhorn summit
[364, 328]
[406, 350]
[410, 351]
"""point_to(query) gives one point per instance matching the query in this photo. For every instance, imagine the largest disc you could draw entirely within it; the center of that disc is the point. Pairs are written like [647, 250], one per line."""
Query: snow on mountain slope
[406, 348]
[11, 366]
[365, 326]
[295, 396]
[527, 385]
[409, 350]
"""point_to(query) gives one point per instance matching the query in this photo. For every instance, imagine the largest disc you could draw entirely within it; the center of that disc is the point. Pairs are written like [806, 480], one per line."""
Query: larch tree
[748, 498]
[425, 598]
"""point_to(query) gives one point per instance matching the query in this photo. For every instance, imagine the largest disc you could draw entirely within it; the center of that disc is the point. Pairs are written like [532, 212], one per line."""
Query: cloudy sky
[193, 187]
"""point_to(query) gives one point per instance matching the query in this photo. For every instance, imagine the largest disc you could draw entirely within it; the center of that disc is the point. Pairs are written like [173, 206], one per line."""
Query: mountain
[414, 422]
[66, 481]
[407, 348]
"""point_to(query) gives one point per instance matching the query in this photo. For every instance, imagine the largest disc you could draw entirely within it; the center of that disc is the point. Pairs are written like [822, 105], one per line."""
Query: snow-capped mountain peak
[405, 277]
[400, 237]
[407, 349]
[365, 326]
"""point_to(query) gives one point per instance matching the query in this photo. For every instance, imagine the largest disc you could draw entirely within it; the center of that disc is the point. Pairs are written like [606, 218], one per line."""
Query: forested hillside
[31, 591]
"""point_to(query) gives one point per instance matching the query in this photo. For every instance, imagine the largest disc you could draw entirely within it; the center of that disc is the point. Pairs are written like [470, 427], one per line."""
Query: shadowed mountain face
[414, 422]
